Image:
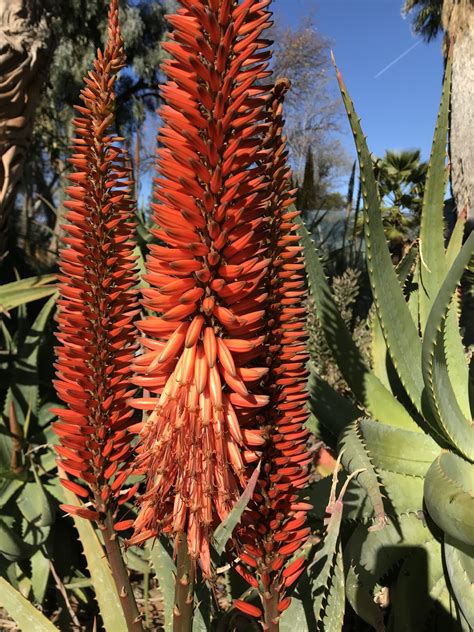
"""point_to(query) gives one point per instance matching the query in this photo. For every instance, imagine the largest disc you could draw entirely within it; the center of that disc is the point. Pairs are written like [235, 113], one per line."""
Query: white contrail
[392, 63]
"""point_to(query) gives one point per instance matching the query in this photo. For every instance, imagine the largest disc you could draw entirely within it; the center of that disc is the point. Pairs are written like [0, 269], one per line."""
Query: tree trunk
[458, 19]
[25, 46]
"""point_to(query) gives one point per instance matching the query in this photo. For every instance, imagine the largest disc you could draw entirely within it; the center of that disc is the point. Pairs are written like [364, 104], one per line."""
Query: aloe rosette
[416, 448]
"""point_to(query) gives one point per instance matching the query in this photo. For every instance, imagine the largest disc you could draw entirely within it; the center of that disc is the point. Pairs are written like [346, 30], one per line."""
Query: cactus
[415, 437]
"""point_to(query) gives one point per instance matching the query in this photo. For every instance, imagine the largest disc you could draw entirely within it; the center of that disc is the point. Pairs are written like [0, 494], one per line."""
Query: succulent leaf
[456, 362]
[400, 451]
[366, 387]
[460, 565]
[391, 306]
[421, 580]
[40, 571]
[332, 619]
[432, 253]
[449, 496]
[371, 555]
[403, 492]
[161, 557]
[379, 351]
[24, 291]
[24, 613]
[439, 389]
[223, 532]
[455, 241]
[355, 456]
[333, 411]
[321, 570]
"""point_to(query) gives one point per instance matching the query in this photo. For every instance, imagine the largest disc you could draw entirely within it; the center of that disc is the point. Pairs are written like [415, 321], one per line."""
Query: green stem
[270, 607]
[121, 578]
[183, 610]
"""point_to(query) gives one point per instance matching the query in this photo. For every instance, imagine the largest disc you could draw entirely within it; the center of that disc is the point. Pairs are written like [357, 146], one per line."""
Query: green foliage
[24, 613]
[426, 16]
[77, 28]
[400, 178]
[101, 576]
[24, 291]
[418, 362]
[224, 531]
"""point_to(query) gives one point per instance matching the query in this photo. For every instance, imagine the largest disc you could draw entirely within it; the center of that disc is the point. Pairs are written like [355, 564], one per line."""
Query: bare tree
[25, 44]
[312, 112]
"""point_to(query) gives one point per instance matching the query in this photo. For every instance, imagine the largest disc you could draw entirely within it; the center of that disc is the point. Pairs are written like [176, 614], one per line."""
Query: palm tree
[401, 179]
[456, 19]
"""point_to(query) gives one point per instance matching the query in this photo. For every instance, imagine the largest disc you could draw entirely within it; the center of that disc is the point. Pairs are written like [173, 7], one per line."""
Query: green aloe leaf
[379, 351]
[420, 596]
[321, 570]
[368, 389]
[224, 531]
[104, 585]
[355, 457]
[449, 496]
[456, 361]
[403, 493]
[332, 619]
[392, 309]
[460, 565]
[333, 411]
[26, 290]
[398, 450]
[161, 557]
[295, 618]
[440, 393]
[455, 241]
[370, 555]
[432, 253]
[12, 546]
[40, 570]
[24, 613]
[24, 389]
[22, 397]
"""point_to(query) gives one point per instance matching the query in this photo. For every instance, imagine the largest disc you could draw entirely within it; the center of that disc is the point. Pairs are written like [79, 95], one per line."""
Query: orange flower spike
[97, 304]
[207, 278]
[285, 459]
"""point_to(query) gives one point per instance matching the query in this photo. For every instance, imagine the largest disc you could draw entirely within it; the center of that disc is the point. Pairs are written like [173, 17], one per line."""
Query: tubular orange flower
[274, 528]
[205, 346]
[97, 301]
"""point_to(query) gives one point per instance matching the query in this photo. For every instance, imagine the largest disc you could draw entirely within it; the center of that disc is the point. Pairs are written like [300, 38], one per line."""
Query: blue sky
[398, 109]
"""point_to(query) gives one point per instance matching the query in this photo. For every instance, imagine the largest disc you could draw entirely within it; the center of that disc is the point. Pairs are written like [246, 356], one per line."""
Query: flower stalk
[274, 528]
[183, 611]
[202, 366]
[120, 575]
[225, 361]
[96, 310]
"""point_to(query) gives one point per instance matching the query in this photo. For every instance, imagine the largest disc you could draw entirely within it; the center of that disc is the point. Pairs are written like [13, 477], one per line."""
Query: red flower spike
[207, 282]
[97, 304]
[285, 459]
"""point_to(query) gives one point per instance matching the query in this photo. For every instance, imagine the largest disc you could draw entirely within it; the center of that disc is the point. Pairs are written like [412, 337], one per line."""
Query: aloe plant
[411, 427]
